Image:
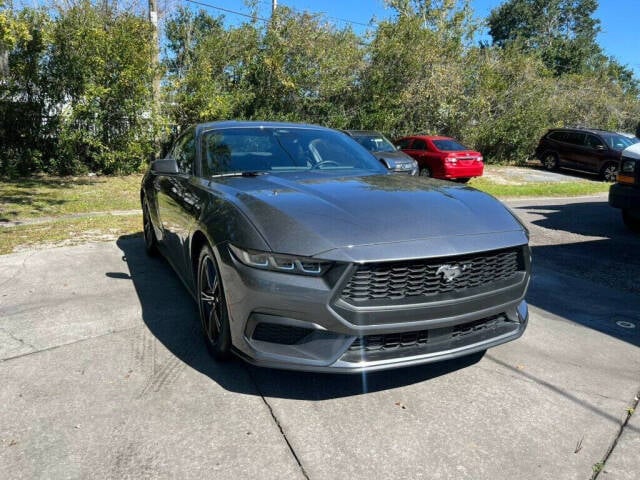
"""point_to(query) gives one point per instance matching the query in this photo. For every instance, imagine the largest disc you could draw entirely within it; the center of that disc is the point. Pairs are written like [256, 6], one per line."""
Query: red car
[442, 157]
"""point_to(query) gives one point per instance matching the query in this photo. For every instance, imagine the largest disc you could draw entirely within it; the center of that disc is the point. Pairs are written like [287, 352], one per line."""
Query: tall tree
[563, 32]
[415, 80]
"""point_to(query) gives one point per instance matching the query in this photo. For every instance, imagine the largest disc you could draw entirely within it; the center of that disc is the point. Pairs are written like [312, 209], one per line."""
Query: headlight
[281, 263]
[628, 166]
[414, 167]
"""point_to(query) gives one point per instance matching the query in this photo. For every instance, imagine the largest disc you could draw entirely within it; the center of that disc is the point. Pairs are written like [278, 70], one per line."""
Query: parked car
[304, 252]
[590, 150]
[625, 193]
[385, 151]
[442, 157]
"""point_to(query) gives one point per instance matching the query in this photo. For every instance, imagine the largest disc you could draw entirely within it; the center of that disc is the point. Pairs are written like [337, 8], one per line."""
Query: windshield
[449, 145]
[375, 143]
[282, 149]
[616, 141]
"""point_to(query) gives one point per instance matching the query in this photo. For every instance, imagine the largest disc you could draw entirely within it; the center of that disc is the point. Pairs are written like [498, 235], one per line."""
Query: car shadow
[592, 176]
[170, 313]
[592, 277]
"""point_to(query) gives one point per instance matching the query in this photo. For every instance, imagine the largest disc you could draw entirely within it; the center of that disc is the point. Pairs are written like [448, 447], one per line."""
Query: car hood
[312, 214]
[397, 155]
[632, 151]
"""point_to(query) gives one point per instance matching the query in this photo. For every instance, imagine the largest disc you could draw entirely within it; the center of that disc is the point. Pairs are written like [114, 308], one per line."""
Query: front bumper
[299, 323]
[625, 197]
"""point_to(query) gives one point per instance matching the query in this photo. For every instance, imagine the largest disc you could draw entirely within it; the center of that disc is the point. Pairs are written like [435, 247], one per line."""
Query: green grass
[56, 196]
[68, 231]
[57, 200]
[542, 189]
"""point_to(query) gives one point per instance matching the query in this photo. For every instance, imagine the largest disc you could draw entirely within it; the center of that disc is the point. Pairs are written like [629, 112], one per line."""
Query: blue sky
[620, 35]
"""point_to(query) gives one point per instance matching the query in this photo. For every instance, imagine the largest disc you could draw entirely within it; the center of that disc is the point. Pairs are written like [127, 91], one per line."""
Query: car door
[176, 203]
[594, 154]
[573, 149]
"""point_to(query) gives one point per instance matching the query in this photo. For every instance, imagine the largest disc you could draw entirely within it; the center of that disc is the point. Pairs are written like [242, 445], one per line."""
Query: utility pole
[155, 66]
[274, 5]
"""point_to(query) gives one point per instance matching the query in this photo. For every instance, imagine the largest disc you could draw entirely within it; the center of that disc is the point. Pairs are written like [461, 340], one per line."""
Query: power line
[246, 15]
[327, 16]
[253, 17]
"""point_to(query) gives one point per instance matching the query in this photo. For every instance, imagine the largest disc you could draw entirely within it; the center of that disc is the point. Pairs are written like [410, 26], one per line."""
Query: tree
[25, 129]
[306, 70]
[562, 32]
[416, 80]
[100, 59]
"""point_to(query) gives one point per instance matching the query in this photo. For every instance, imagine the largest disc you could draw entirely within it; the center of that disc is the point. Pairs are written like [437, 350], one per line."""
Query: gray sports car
[304, 252]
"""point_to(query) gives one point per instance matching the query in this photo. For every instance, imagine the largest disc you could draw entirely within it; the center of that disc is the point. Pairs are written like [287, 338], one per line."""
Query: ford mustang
[303, 252]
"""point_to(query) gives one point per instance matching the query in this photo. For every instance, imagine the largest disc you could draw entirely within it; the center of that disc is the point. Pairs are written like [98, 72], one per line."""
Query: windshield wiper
[241, 174]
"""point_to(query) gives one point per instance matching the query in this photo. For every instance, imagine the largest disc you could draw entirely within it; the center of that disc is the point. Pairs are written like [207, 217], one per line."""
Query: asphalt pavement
[104, 375]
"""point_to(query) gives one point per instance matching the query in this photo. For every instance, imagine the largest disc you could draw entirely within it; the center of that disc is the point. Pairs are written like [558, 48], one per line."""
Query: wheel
[425, 172]
[550, 161]
[632, 222]
[149, 234]
[609, 172]
[212, 307]
[464, 180]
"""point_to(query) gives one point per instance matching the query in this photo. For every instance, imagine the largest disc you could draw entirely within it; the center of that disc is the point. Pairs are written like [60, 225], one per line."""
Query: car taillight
[479, 159]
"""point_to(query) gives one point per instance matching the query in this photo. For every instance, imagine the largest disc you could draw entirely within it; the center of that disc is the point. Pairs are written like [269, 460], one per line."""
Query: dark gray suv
[590, 150]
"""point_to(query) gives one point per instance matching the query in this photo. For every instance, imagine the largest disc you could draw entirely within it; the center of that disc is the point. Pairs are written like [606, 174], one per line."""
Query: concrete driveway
[104, 375]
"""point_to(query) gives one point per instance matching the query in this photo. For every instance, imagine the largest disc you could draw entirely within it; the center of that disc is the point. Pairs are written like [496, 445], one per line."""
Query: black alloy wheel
[150, 240]
[212, 305]
[425, 172]
[550, 161]
[609, 172]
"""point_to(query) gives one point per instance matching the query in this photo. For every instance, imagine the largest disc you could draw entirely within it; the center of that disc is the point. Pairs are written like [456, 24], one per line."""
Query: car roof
[254, 124]
[429, 137]
[356, 133]
[582, 129]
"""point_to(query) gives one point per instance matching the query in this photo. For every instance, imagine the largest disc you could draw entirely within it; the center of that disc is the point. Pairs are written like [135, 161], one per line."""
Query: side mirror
[165, 165]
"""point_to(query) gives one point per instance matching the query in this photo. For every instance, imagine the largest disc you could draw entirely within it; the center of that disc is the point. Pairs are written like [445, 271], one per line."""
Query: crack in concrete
[562, 392]
[55, 347]
[621, 430]
[17, 339]
[278, 424]
[19, 269]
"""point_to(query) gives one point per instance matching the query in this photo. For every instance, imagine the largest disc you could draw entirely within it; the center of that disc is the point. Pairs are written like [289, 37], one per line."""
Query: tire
[631, 222]
[463, 180]
[149, 234]
[609, 172]
[425, 172]
[550, 161]
[212, 306]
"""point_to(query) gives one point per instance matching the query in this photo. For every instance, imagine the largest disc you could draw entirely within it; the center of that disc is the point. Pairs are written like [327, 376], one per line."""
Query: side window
[419, 144]
[403, 143]
[558, 136]
[594, 142]
[184, 152]
[575, 138]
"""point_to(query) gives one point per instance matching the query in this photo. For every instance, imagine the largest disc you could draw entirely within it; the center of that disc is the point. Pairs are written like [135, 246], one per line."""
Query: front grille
[282, 334]
[398, 345]
[429, 277]
[390, 341]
